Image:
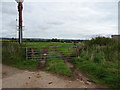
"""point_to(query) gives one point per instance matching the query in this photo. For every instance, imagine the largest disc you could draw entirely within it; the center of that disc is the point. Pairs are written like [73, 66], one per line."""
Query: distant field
[45, 44]
[63, 47]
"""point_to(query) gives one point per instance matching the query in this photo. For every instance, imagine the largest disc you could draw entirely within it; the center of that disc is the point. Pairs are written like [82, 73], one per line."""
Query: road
[15, 78]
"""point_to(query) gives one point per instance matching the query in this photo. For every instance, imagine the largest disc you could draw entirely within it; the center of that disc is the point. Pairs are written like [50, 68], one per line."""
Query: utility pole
[20, 8]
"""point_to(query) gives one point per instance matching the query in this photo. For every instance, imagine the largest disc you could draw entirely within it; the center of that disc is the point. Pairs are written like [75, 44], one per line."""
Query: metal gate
[42, 53]
[33, 52]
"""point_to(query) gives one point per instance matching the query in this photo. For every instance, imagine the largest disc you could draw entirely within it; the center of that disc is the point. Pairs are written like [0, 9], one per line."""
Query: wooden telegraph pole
[20, 8]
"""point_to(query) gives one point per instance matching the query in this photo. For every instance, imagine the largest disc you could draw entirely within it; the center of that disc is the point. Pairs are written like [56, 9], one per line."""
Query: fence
[45, 53]
[39, 52]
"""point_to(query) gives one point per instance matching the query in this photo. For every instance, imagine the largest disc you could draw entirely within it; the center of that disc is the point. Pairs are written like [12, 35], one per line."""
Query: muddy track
[64, 57]
[43, 59]
[76, 73]
[15, 78]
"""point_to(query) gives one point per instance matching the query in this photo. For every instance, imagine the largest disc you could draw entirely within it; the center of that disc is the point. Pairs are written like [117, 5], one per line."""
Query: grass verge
[55, 64]
[13, 55]
[99, 59]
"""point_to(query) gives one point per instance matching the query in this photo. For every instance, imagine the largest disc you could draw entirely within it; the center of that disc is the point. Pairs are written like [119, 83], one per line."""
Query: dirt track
[15, 78]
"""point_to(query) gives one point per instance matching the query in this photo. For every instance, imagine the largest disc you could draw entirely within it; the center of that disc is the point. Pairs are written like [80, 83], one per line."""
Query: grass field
[65, 48]
[46, 44]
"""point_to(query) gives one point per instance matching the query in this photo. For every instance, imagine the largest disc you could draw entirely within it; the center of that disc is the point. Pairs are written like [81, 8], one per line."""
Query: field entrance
[49, 54]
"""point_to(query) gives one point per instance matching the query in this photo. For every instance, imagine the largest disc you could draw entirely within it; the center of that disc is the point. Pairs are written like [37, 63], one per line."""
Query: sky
[63, 20]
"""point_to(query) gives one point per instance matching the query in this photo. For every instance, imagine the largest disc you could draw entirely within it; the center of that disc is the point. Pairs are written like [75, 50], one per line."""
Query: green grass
[27, 64]
[100, 73]
[55, 64]
[98, 58]
[45, 44]
[13, 55]
[65, 48]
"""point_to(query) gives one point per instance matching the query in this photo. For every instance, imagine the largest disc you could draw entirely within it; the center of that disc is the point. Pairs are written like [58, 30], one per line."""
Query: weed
[99, 59]
[55, 64]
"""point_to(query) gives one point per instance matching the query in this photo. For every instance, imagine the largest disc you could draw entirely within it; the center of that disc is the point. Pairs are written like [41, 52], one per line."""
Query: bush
[102, 41]
[113, 80]
[99, 59]
[14, 55]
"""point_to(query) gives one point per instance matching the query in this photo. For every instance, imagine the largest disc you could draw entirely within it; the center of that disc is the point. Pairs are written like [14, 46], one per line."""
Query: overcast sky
[63, 20]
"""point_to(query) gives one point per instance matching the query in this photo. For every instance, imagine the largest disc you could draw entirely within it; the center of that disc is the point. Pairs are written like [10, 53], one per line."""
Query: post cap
[19, 1]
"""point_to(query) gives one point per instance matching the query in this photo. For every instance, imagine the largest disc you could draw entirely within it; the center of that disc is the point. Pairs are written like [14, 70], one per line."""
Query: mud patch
[43, 59]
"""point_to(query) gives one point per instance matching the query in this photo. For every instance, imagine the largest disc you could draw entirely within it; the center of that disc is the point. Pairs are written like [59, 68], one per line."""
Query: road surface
[15, 78]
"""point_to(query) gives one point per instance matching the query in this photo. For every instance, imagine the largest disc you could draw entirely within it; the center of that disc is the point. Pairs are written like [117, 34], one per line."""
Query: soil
[15, 78]
[76, 74]
[43, 59]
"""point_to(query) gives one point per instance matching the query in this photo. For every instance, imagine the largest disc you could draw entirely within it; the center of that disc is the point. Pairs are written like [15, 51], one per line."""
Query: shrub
[14, 55]
[102, 41]
[99, 59]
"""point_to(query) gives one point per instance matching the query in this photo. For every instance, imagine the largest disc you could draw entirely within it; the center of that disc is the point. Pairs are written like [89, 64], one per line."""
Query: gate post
[32, 51]
[26, 54]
